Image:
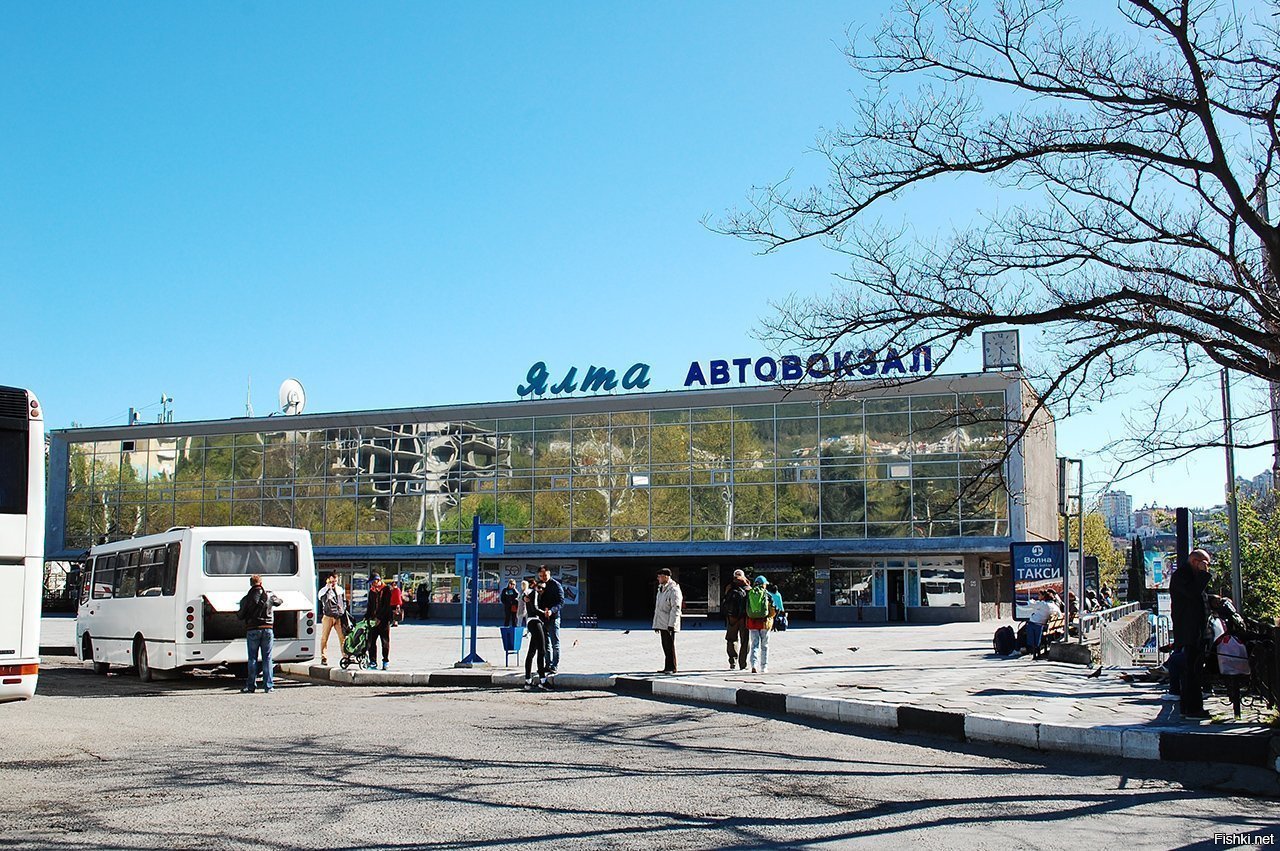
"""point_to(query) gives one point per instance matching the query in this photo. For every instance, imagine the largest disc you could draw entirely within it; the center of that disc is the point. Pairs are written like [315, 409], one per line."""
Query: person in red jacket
[397, 603]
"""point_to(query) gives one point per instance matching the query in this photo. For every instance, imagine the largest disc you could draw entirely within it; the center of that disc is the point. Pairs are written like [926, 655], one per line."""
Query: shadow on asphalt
[75, 680]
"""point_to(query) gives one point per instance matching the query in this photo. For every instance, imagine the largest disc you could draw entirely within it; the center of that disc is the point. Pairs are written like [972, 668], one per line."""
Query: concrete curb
[1169, 744]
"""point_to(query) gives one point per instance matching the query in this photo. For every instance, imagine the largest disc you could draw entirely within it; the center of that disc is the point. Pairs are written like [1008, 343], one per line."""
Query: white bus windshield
[246, 559]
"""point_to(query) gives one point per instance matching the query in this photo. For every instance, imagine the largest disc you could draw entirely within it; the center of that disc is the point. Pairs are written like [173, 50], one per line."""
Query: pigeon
[816, 650]
[626, 632]
[575, 644]
[1096, 673]
[853, 650]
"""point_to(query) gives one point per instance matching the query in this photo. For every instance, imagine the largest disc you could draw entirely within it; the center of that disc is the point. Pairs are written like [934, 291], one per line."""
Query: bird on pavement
[853, 650]
[626, 632]
[1096, 673]
[816, 650]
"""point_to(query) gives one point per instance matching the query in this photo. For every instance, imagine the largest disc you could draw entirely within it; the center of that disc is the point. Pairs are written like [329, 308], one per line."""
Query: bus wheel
[87, 653]
[140, 659]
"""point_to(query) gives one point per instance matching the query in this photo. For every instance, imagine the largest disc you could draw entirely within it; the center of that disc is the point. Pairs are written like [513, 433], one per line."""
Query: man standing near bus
[257, 611]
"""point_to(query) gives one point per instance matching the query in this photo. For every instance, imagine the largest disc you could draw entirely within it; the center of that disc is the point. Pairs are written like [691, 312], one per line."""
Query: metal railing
[1091, 621]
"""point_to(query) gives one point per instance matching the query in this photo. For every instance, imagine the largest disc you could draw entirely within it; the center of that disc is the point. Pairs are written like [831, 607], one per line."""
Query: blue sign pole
[462, 563]
[473, 658]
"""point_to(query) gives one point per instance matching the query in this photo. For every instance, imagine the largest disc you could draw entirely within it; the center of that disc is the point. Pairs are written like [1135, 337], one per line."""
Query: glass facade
[901, 467]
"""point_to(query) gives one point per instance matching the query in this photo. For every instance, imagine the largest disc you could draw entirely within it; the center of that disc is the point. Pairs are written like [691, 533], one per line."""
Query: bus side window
[104, 577]
[171, 556]
[127, 574]
[151, 572]
[86, 581]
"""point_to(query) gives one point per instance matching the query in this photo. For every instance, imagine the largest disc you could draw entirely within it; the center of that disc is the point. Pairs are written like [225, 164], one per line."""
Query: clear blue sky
[405, 204]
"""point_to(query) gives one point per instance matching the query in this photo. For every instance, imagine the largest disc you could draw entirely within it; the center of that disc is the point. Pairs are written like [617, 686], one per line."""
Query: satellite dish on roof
[292, 397]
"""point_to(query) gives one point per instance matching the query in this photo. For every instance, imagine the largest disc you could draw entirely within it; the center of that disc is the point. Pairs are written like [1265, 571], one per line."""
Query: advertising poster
[1159, 566]
[565, 571]
[1036, 567]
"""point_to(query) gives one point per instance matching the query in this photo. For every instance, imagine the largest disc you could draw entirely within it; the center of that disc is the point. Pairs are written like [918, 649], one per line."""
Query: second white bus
[168, 602]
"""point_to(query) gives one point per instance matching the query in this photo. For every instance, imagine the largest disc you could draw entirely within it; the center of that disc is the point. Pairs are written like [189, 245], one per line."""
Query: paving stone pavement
[945, 666]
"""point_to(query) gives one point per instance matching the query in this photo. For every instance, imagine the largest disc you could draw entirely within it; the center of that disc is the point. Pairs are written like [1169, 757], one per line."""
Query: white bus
[21, 541]
[168, 602]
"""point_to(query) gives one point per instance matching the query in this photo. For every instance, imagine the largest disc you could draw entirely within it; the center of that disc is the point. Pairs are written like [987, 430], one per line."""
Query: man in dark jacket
[1187, 599]
[257, 611]
[736, 635]
[510, 598]
[551, 599]
[378, 614]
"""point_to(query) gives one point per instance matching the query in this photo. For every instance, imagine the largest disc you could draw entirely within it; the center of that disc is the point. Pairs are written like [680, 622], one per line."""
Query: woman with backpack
[760, 612]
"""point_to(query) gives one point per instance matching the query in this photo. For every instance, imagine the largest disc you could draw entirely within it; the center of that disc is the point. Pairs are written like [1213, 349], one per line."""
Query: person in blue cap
[760, 614]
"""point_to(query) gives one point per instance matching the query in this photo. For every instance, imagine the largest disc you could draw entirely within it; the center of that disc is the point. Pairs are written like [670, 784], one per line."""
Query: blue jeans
[1035, 631]
[260, 641]
[553, 643]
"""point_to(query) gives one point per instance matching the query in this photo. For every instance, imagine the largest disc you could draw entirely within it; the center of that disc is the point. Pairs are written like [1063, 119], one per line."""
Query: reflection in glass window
[942, 586]
[851, 587]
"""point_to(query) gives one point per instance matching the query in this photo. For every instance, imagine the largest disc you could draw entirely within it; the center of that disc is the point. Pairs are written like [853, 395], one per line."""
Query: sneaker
[384, 665]
[753, 670]
[742, 667]
[552, 671]
[545, 684]
[733, 666]
[268, 690]
[246, 690]
[324, 661]
[528, 685]
[764, 669]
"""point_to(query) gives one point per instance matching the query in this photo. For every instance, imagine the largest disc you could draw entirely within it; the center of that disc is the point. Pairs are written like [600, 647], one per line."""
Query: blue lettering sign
[719, 372]
[537, 379]
[867, 361]
[766, 369]
[695, 375]
[818, 366]
[636, 376]
[742, 364]
[568, 385]
[893, 360]
[598, 377]
[792, 370]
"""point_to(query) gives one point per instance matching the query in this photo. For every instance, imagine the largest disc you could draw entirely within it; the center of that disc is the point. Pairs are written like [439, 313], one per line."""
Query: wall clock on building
[1000, 350]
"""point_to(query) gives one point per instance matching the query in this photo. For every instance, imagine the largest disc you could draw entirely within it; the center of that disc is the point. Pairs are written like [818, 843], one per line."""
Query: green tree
[1097, 543]
[1259, 557]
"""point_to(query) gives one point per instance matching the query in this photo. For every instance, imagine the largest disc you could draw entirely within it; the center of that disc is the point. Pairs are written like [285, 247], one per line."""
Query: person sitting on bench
[1042, 611]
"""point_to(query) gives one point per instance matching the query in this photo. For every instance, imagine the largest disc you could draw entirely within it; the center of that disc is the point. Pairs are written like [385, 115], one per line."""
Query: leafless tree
[1128, 161]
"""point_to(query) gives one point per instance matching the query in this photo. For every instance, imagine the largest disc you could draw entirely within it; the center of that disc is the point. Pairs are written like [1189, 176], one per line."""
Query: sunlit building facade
[889, 503]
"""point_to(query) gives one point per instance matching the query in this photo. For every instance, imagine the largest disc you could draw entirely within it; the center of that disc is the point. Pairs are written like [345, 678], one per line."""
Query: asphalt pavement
[108, 762]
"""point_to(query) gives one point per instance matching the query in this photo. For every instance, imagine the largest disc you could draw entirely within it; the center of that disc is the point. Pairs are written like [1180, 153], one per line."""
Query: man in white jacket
[666, 617]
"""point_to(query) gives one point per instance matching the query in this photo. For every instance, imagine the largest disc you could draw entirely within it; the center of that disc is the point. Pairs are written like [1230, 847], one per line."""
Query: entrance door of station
[896, 582]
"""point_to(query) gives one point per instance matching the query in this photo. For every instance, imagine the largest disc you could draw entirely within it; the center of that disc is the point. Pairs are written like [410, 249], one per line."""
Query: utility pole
[1271, 291]
[1233, 493]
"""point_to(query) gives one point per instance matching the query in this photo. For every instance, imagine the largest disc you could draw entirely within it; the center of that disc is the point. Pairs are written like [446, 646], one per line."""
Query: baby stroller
[355, 648]
[1243, 651]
